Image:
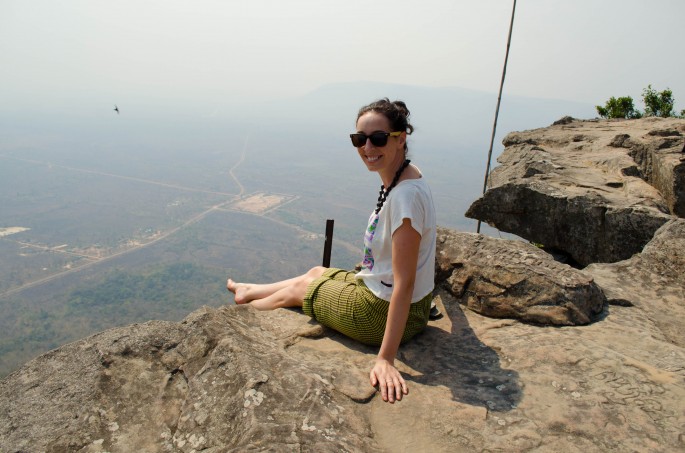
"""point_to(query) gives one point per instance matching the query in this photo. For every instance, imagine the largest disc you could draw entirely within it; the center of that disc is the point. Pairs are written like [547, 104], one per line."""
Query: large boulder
[504, 278]
[597, 190]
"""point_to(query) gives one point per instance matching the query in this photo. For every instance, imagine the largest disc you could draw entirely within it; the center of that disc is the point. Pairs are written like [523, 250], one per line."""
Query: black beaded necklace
[383, 194]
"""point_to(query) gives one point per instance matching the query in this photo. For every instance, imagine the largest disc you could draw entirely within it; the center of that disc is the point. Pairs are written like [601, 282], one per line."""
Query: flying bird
[116, 109]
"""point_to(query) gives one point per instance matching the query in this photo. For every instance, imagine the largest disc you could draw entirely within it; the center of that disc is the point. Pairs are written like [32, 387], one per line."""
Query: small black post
[328, 244]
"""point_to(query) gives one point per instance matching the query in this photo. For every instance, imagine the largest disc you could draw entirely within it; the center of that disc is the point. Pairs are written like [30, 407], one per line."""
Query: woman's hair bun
[396, 112]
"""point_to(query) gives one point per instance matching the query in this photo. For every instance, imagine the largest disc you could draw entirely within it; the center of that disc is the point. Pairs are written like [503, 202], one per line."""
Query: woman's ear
[402, 140]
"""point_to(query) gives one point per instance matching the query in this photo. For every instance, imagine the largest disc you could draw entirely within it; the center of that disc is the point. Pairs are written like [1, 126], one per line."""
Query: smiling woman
[388, 301]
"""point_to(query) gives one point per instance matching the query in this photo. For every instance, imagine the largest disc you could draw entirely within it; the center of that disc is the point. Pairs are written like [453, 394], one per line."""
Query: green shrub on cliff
[619, 108]
[656, 104]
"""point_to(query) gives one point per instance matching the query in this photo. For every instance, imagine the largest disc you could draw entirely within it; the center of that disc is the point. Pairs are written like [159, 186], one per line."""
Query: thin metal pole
[499, 100]
[328, 243]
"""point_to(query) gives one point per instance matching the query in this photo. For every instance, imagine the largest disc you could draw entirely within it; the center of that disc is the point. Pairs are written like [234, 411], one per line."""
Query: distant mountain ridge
[460, 114]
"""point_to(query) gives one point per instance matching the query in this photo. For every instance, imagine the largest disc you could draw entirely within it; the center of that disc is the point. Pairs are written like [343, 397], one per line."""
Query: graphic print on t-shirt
[368, 237]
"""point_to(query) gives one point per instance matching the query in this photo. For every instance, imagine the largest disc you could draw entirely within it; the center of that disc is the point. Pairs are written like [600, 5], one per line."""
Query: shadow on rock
[458, 360]
[448, 354]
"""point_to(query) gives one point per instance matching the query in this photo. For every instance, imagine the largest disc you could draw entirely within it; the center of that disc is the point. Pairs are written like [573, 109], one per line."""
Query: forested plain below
[133, 217]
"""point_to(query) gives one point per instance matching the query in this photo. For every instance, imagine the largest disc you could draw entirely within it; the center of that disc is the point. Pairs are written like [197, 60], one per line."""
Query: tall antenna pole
[499, 100]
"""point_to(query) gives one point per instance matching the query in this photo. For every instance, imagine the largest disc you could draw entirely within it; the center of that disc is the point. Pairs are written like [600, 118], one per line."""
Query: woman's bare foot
[240, 290]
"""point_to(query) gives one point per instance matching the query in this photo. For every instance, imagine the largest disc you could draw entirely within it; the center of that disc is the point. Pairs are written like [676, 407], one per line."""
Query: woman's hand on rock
[388, 380]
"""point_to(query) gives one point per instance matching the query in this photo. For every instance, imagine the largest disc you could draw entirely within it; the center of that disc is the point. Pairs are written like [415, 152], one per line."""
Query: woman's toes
[230, 285]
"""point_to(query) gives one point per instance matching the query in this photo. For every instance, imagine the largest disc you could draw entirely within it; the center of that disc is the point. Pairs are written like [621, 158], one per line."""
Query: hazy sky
[72, 51]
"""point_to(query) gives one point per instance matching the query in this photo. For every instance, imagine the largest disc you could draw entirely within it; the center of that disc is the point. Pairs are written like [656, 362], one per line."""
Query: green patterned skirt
[340, 301]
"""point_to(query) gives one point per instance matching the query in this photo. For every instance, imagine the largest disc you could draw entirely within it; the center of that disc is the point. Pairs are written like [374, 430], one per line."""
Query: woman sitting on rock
[389, 300]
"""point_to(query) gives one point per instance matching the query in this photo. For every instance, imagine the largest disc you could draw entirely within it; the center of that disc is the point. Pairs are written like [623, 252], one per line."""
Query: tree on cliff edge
[656, 104]
[619, 108]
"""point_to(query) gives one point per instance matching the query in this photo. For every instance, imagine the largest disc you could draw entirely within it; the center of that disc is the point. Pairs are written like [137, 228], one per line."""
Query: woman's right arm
[405, 256]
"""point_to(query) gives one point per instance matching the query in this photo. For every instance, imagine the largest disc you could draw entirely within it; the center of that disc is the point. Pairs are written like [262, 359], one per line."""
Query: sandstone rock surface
[596, 189]
[222, 380]
[653, 280]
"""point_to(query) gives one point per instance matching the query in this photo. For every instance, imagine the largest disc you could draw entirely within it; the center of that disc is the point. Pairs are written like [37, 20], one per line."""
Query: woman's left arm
[405, 256]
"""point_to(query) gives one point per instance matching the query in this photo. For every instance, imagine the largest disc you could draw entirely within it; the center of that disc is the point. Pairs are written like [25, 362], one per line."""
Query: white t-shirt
[410, 199]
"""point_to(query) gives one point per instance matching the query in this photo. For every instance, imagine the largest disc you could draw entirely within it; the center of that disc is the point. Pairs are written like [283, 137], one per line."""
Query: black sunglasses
[378, 139]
